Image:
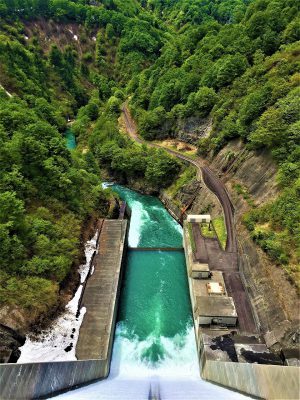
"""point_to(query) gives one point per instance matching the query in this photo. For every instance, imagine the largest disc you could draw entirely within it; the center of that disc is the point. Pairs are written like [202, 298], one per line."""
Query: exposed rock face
[254, 170]
[274, 298]
[10, 341]
[190, 130]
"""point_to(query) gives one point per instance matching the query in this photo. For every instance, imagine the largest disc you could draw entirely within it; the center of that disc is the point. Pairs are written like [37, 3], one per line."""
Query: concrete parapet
[35, 380]
[261, 381]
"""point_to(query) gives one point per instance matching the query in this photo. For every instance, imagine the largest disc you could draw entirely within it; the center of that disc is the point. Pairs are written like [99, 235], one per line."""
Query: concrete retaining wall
[38, 380]
[34, 380]
[261, 381]
[173, 209]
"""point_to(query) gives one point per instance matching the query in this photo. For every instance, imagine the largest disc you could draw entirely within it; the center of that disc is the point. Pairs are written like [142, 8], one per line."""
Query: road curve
[208, 177]
[229, 266]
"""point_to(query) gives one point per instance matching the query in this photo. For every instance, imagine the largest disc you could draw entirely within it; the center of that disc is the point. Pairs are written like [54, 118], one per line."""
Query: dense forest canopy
[235, 62]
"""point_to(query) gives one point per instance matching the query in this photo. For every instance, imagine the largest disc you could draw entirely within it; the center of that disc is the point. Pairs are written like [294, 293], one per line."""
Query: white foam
[50, 345]
[106, 185]
[138, 217]
[180, 355]
[176, 378]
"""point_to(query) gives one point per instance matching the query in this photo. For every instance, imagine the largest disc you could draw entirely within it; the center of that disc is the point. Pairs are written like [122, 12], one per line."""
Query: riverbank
[77, 348]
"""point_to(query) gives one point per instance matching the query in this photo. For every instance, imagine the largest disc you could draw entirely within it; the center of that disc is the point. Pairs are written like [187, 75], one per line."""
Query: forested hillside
[234, 63]
[58, 62]
[237, 66]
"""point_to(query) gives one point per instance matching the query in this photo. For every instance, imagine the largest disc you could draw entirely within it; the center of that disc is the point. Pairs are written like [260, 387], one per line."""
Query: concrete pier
[101, 294]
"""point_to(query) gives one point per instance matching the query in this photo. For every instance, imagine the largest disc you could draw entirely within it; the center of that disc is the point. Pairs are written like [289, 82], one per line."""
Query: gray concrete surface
[101, 294]
[262, 381]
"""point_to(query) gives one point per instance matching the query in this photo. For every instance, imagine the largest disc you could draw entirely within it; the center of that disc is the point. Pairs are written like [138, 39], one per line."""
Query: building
[215, 310]
[200, 218]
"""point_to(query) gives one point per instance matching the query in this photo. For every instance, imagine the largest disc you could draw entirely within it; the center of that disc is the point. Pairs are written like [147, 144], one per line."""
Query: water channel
[70, 139]
[154, 347]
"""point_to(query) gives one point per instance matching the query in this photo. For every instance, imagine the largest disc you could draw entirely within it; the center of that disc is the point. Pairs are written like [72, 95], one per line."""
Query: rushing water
[154, 343]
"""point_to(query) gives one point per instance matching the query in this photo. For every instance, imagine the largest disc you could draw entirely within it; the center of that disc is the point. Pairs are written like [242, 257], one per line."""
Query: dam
[154, 350]
[157, 350]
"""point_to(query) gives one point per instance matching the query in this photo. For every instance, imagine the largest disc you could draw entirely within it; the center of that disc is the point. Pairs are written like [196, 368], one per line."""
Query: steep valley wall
[274, 297]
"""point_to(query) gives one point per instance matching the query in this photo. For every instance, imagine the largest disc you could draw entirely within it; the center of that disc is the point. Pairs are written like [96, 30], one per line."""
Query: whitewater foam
[138, 217]
[176, 377]
[52, 343]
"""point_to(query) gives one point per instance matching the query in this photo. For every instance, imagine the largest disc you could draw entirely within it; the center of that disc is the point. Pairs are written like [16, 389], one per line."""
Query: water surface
[70, 139]
[154, 347]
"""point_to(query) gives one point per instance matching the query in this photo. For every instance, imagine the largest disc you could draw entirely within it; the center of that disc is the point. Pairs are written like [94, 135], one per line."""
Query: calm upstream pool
[154, 348]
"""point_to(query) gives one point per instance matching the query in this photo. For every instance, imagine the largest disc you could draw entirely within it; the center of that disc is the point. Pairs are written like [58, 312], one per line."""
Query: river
[154, 347]
[70, 139]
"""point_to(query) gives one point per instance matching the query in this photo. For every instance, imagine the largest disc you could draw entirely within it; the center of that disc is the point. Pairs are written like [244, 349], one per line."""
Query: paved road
[209, 249]
[209, 178]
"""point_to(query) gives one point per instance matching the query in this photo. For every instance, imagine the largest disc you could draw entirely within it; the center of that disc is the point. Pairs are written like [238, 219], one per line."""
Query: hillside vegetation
[234, 61]
[58, 61]
[237, 63]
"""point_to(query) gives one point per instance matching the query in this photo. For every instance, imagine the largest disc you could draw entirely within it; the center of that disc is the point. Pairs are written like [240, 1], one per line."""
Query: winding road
[225, 261]
[209, 178]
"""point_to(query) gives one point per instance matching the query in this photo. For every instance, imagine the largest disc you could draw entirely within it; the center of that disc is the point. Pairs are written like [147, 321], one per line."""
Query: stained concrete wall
[173, 209]
[34, 380]
[262, 381]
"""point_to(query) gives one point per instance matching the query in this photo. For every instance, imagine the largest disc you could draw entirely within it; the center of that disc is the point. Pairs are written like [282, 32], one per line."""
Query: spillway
[154, 352]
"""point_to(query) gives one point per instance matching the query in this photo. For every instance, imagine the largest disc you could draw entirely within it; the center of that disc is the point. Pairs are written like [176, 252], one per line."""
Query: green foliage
[201, 102]
[234, 61]
[37, 295]
[127, 160]
[220, 228]
[150, 123]
[186, 177]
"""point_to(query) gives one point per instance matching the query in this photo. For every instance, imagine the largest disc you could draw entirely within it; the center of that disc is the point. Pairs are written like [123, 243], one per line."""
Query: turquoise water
[150, 225]
[154, 304]
[70, 139]
[154, 347]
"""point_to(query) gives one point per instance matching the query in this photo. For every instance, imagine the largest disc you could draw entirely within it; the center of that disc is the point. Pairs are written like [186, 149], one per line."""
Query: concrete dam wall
[94, 347]
[262, 381]
[35, 380]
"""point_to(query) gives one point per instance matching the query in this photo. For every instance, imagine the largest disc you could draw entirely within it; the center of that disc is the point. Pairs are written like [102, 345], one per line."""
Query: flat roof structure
[215, 306]
[201, 286]
[215, 288]
[199, 218]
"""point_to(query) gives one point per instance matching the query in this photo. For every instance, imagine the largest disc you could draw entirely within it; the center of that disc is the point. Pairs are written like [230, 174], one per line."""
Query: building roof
[215, 306]
[200, 286]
